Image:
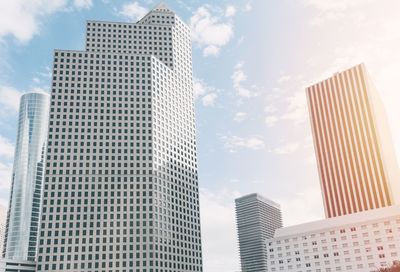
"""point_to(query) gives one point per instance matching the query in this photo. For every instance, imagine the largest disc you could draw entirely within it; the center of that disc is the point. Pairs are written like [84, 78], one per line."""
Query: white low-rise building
[358, 242]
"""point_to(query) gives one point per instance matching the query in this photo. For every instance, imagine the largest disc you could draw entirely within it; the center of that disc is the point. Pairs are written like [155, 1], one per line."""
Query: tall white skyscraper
[20, 241]
[121, 190]
[257, 219]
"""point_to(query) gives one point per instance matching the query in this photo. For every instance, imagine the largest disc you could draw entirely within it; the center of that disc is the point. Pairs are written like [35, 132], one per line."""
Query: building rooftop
[259, 197]
[340, 221]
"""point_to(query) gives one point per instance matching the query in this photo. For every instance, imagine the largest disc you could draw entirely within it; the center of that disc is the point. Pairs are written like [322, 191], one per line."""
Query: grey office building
[257, 219]
[23, 216]
[121, 190]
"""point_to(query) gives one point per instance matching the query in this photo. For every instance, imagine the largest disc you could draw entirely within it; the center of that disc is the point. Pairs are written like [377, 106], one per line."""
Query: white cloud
[6, 148]
[9, 99]
[234, 180]
[330, 10]
[5, 176]
[21, 19]
[248, 7]
[271, 108]
[198, 87]
[204, 92]
[42, 78]
[283, 79]
[209, 32]
[271, 120]
[211, 50]
[238, 77]
[47, 73]
[83, 4]
[240, 41]
[297, 108]
[218, 230]
[286, 149]
[209, 99]
[230, 11]
[240, 116]
[133, 11]
[333, 5]
[234, 143]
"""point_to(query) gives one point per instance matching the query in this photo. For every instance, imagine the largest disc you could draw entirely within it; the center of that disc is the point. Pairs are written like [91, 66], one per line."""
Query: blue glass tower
[27, 178]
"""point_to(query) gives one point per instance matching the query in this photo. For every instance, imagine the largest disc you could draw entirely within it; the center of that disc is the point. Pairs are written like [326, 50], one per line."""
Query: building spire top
[162, 6]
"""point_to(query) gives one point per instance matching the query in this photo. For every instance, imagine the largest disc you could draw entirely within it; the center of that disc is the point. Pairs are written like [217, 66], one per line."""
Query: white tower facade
[121, 186]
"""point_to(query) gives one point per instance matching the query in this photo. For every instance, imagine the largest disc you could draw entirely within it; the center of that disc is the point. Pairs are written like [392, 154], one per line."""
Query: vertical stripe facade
[349, 157]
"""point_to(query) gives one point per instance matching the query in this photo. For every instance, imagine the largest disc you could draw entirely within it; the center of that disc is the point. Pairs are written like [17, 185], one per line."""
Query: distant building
[356, 160]
[358, 242]
[257, 219]
[27, 178]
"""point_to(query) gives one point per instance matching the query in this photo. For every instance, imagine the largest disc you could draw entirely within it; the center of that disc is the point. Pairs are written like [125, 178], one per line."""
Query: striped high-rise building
[121, 188]
[356, 160]
[257, 219]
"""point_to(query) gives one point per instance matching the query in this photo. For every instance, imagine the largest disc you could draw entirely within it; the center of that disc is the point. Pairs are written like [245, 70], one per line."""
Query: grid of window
[360, 247]
[121, 190]
[149, 37]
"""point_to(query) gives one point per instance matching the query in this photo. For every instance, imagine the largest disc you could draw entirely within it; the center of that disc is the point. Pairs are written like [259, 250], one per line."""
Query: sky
[252, 60]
